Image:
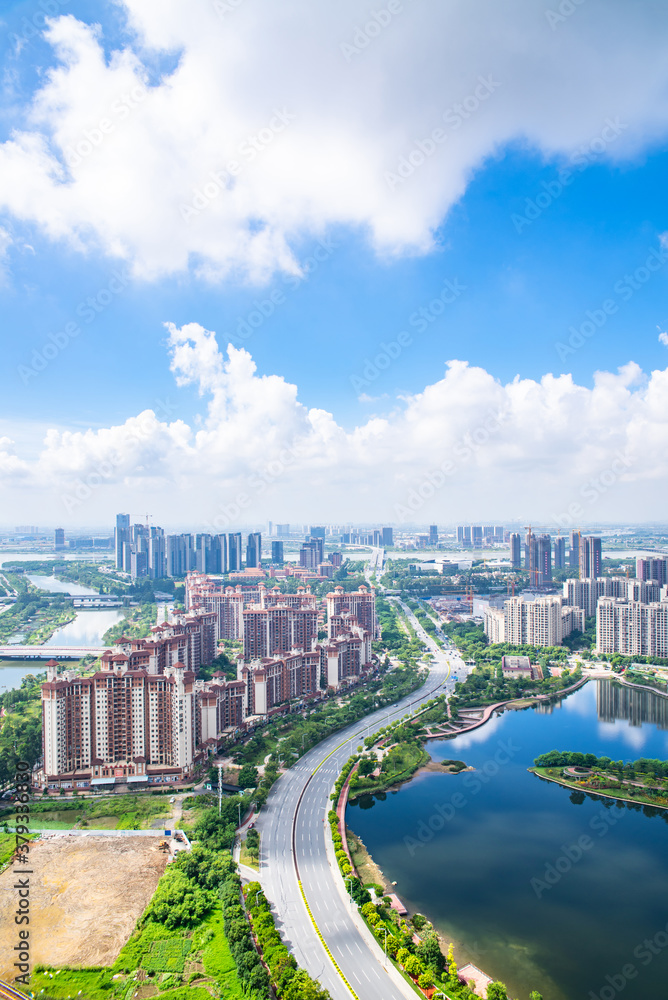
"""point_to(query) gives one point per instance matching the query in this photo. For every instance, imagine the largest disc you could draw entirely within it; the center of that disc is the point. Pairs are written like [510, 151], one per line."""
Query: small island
[643, 781]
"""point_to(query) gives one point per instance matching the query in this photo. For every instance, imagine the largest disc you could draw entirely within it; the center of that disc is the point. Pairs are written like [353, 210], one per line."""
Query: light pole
[256, 895]
[220, 787]
[239, 805]
[385, 929]
[350, 892]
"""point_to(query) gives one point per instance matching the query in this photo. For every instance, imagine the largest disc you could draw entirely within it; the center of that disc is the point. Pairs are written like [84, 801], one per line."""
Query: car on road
[173, 798]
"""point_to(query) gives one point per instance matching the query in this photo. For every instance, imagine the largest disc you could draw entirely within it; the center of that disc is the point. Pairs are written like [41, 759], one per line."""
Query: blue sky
[521, 259]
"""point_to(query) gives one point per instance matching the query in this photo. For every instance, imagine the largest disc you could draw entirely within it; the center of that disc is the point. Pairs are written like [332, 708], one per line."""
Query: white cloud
[663, 338]
[463, 439]
[328, 126]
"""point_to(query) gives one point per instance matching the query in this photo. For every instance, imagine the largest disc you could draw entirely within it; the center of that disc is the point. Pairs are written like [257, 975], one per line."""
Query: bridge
[50, 652]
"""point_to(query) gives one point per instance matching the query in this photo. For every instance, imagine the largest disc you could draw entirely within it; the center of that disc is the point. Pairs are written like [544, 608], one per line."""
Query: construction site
[87, 893]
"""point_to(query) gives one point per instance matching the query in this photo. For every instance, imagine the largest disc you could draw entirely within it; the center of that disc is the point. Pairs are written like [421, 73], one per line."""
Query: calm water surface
[471, 851]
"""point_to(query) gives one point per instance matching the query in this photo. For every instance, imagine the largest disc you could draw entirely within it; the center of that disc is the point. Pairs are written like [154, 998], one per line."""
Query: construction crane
[147, 516]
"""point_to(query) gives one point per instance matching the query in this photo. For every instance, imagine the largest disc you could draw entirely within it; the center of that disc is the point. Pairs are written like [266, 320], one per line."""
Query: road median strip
[323, 942]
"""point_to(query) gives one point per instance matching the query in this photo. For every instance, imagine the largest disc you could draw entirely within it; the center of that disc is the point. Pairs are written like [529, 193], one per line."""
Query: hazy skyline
[401, 263]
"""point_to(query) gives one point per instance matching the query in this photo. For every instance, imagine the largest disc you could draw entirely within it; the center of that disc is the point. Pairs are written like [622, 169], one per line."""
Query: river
[86, 629]
[471, 851]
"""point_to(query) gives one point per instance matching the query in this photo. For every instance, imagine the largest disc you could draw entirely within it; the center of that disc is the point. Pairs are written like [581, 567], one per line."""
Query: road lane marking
[324, 943]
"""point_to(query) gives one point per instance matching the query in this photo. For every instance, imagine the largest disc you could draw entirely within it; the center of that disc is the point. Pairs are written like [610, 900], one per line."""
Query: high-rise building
[157, 564]
[530, 556]
[543, 560]
[317, 532]
[591, 557]
[632, 628]
[359, 603]
[280, 629]
[277, 553]
[464, 535]
[515, 550]
[652, 569]
[254, 550]
[540, 622]
[476, 536]
[283, 530]
[560, 552]
[234, 557]
[59, 539]
[498, 533]
[121, 536]
[574, 550]
[309, 554]
[433, 534]
[388, 537]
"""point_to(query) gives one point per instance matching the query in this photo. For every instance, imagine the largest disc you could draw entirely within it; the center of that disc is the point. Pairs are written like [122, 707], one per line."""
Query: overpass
[16, 652]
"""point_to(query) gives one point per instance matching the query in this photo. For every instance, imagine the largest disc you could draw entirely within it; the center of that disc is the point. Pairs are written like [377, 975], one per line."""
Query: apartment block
[270, 681]
[540, 622]
[359, 603]
[631, 627]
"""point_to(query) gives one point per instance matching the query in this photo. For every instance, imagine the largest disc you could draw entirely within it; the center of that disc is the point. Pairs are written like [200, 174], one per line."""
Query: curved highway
[316, 920]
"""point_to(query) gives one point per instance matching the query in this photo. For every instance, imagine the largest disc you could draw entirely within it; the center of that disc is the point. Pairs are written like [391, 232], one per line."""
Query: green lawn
[121, 812]
[165, 956]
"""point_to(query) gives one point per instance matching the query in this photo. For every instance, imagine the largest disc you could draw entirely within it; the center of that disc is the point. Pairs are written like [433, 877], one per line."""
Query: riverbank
[579, 785]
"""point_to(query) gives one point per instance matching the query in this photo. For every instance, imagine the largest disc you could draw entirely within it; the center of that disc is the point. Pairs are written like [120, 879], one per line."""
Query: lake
[472, 851]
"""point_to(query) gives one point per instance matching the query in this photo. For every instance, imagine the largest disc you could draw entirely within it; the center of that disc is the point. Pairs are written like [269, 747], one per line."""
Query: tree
[367, 765]
[302, 987]
[535, 995]
[413, 965]
[430, 952]
[248, 776]
[497, 991]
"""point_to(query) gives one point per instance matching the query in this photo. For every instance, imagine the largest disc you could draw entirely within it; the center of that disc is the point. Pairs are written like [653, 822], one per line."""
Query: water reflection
[616, 701]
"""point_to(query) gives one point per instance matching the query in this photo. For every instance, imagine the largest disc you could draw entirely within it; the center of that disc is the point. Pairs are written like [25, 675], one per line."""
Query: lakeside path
[298, 870]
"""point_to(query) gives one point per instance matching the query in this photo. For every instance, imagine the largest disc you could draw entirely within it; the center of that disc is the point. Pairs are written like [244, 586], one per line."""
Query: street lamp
[385, 929]
[256, 895]
[350, 892]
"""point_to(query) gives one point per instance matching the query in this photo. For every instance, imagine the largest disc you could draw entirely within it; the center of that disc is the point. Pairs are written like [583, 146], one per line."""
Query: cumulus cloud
[281, 120]
[257, 451]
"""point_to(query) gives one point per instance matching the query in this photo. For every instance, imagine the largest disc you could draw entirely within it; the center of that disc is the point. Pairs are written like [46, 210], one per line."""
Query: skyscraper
[121, 535]
[433, 534]
[591, 557]
[254, 549]
[560, 552]
[574, 550]
[234, 552]
[515, 550]
[59, 539]
[543, 559]
[388, 536]
[277, 553]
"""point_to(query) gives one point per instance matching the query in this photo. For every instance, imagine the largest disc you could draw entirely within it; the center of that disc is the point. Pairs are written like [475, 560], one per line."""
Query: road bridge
[17, 652]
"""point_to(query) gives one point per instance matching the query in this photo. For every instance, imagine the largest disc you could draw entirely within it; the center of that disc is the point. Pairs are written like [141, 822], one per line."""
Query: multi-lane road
[299, 874]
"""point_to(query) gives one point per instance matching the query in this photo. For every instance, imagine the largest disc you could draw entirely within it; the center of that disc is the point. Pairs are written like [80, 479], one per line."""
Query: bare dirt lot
[86, 894]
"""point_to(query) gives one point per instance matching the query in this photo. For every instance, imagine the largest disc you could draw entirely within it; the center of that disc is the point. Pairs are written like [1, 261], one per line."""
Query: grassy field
[122, 812]
[176, 965]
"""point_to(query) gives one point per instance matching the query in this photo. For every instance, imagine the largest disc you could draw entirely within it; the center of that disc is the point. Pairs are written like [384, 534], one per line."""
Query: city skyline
[501, 330]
